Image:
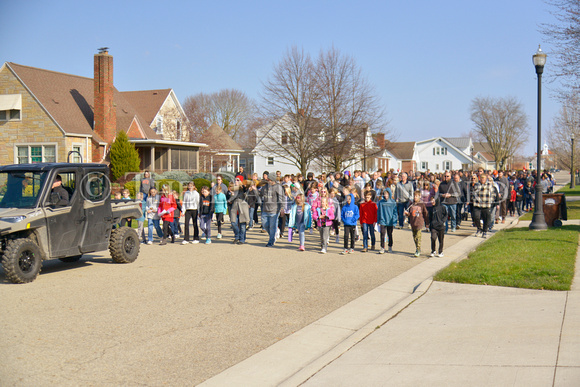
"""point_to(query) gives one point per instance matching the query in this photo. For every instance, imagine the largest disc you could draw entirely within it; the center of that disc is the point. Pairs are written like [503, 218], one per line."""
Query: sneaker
[484, 235]
[208, 241]
[184, 242]
[364, 250]
[373, 247]
[382, 251]
[452, 230]
[458, 227]
[478, 233]
[390, 250]
[278, 234]
[177, 235]
[235, 241]
[344, 252]
[323, 251]
[332, 233]
[195, 241]
[337, 239]
[301, 248]
[351, 251]
[149, 243]
[417, 253]
[432, 254]
[219, 236]
[440, 255]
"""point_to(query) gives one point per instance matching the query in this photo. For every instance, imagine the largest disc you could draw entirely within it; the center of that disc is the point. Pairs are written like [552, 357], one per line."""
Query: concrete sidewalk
[400, 334]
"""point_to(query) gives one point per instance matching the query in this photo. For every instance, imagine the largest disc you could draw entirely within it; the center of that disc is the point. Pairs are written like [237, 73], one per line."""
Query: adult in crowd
[503, 185]
[147, 182]
[403, 197]
[461, 200]
[449, 192]
[272, 200]
[483, 200]
[190, 207]
[219, 182]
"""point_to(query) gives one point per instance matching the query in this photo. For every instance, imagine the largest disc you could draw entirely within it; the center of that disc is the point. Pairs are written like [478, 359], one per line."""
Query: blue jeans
[366, 229]
[239, 230]
[270, 224]
[251, 224]
[150, 224]
[401, 212]
[451, 210]
[301, 237]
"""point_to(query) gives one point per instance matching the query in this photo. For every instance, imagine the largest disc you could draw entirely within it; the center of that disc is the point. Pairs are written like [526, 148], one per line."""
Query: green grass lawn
[520, 258]
[570, 192]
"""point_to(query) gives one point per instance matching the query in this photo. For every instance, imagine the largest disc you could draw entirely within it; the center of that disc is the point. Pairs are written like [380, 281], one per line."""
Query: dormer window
[10, 107]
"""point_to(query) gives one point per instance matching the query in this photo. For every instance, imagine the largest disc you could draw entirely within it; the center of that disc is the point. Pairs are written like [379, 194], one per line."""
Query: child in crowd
[387, 218]
[239, 213]
[126, 195]
[206, 210]
[519, 198]
[336, 221]
[220, 208]
[426, 195]
[349, 215]
[418, 217]
[284, 211]
[512, 202]
[190, 207]
[118, 196]
[300, 218]
[152, 215]
[368, 218]
[437, 219]
[253, 199]
[528, 195]
[165, 211]
[323, 215]
[141, 219]
[312, 197]
[176, 226]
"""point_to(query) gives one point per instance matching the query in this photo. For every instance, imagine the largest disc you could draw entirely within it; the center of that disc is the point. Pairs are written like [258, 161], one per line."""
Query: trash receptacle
[552, 204]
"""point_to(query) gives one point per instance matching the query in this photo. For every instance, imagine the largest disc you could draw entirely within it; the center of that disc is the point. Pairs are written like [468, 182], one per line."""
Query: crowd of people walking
[361, 205]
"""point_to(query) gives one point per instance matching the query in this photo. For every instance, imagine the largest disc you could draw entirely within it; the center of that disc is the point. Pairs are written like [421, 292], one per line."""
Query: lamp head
[539, 59]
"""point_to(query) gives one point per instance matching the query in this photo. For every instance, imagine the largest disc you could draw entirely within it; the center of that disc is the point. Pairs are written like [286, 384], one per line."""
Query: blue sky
[426, 59]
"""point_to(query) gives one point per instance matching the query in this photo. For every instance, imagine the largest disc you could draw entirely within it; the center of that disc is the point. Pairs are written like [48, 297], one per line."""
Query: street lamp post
[572, 181]
[538, 219]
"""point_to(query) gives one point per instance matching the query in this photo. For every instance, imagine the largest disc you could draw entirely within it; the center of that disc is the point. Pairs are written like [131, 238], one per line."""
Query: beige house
[44, 115]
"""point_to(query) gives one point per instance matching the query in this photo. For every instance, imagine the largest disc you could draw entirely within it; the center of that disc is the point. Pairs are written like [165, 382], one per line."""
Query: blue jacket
[349, 213]
[307, 216]
[387, 213]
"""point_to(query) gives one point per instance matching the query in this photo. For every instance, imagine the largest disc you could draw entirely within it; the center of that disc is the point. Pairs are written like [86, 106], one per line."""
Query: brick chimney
[380, 140]
[105, 114]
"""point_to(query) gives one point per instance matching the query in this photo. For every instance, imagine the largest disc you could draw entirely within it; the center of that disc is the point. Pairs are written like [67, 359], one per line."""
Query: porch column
[152, 159]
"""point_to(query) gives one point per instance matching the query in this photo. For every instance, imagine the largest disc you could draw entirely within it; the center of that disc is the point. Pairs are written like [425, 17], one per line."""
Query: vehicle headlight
[13, 219]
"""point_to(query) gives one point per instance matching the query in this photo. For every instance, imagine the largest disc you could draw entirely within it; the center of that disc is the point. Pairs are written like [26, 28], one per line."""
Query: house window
[76, 157]
[10, 107]
[243, 163]
[284, 138]
[26, 154]
[424, 165]
[436, 167]
[270, 161]
[178, 127]
[447, 165]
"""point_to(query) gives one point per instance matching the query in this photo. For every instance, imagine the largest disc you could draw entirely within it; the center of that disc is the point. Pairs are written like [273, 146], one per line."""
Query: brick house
[46, 114]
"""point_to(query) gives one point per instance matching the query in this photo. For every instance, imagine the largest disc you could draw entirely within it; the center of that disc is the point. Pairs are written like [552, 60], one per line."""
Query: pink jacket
[318, 212]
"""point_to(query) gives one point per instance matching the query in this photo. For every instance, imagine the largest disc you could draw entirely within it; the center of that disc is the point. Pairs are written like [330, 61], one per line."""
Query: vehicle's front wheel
[124, 245]
[21, 260]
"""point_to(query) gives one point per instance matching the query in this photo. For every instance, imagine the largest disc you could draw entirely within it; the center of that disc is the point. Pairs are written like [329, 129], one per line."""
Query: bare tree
[348, 107]
[289, 103]
[231, 109]
[502, 123]
[566, 124]
[564, 36]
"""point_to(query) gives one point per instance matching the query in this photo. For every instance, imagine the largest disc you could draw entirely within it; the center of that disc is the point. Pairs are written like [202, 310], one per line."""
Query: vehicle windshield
[20, 189]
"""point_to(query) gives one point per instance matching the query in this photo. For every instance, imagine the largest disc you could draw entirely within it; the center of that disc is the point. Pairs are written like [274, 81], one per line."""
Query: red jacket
[167, 203]
[368, 212]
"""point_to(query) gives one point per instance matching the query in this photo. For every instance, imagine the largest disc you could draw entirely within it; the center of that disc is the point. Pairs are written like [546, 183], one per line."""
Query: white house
[440, 154]
[274, 147]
